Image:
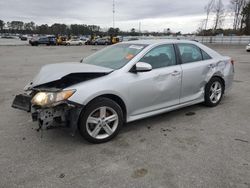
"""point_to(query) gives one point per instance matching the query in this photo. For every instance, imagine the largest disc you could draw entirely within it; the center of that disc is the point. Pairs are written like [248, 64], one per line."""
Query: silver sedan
[126, 82]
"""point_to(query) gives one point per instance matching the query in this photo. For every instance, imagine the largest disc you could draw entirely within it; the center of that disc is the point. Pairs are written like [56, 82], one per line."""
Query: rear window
[190, 53]
[205, 55]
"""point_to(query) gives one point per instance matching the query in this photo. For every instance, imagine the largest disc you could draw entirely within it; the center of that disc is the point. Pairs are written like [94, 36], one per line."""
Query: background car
[48, 40]
[61, 40]
[74, 42]
[248, 48]
[101, 41]
[24, 37]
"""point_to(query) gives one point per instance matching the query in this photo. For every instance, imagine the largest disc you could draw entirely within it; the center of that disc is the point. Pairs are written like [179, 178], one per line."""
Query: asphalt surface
[193, 147]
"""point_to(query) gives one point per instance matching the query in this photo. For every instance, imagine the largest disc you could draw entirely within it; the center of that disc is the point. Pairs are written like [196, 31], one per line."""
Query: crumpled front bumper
[65, 114]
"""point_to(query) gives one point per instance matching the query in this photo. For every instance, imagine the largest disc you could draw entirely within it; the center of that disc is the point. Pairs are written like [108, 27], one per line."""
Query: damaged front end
[47, 99]
[50, 107]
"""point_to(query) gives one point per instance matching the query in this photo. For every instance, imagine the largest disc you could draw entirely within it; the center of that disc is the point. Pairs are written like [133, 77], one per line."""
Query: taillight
[232, 61]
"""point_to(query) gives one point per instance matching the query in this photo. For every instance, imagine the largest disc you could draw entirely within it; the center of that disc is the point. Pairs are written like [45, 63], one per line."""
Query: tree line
[56, 28]
[216, 13]
[63, 29]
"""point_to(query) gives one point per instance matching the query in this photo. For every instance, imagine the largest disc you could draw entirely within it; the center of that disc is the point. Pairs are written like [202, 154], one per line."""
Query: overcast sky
[154, 15]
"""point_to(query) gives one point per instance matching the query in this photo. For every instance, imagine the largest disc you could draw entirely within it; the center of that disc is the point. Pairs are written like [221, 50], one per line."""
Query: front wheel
[214, 91]
[101, 120]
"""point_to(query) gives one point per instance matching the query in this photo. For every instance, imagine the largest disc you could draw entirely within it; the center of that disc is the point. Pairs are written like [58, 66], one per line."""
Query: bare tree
[237, 7]
[208, 9]
[219, 12]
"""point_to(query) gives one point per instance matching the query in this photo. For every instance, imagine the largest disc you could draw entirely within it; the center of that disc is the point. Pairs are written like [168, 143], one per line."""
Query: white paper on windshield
[137, 47]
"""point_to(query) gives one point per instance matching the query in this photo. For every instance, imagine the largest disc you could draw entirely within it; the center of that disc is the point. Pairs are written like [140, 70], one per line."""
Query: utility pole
[140, 27]
[113, 13]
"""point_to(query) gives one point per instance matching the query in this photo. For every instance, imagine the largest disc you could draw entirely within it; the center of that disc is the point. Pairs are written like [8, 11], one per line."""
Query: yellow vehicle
[61, 40]
[116, 39]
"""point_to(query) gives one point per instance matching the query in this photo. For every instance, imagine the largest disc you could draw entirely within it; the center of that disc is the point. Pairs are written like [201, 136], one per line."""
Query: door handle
[211, 66]
[176, 73]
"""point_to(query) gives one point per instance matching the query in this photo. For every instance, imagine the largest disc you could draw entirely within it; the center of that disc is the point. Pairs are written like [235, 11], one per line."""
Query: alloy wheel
[215, 92]
[102, 122]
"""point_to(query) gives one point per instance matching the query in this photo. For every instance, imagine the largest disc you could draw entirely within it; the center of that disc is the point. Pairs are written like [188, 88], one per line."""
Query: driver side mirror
[143, 67]
[81, 60]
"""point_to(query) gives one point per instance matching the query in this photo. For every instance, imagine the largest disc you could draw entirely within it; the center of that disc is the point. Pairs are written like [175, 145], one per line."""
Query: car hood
[53, 72]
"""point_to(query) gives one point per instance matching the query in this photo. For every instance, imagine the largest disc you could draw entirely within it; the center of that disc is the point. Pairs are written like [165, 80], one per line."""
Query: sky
[154, 15]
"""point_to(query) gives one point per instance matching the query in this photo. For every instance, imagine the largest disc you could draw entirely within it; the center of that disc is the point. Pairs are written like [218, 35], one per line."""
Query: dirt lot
[208, 149]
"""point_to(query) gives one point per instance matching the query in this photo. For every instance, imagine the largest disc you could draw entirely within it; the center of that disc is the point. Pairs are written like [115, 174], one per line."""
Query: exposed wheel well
[118, 100]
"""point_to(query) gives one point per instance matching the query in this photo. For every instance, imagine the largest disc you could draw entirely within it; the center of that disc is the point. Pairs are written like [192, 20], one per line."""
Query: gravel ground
[192, 147]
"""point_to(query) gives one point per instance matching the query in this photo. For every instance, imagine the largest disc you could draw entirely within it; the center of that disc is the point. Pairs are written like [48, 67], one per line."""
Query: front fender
[92, 96]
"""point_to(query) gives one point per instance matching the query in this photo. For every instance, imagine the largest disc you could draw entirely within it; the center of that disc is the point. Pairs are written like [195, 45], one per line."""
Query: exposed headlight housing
[51, 98]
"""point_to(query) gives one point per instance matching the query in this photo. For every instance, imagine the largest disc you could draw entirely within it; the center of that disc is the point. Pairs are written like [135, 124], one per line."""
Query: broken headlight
[51, 98]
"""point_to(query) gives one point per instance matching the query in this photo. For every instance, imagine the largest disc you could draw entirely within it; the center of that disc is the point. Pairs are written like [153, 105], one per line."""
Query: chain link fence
[235, 40]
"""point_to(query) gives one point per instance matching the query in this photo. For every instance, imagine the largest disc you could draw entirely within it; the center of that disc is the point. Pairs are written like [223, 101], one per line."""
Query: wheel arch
[116, 99]
[220, 77]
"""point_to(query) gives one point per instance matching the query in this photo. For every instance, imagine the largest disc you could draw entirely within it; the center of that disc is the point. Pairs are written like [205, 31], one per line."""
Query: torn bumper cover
[22, 102]
[65, 114]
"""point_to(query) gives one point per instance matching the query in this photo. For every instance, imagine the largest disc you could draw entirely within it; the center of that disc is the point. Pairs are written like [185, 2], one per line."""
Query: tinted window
[189, 53]
[161, 56]
[205, 55]
[43, 39]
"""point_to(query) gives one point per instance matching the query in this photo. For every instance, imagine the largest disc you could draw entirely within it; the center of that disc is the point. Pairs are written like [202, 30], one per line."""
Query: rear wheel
[214, 91]
[101, 120]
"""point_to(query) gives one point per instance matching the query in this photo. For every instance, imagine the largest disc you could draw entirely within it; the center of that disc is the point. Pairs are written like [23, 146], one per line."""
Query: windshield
[116, 56]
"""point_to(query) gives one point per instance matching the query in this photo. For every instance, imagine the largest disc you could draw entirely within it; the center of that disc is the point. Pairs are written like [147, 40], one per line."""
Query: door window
[205, 55]
[160, 56]
[189, 53]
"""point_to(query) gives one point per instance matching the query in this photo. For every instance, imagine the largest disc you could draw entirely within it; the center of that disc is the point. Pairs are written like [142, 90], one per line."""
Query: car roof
[154, 42]
[159, 41]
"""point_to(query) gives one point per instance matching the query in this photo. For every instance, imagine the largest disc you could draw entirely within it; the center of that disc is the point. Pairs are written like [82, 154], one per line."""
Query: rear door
[196, 65]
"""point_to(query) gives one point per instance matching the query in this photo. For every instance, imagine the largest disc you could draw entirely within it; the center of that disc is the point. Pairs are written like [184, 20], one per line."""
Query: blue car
[51, 40]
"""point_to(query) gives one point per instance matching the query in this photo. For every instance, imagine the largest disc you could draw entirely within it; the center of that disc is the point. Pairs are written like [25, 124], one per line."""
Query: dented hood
[54, 72]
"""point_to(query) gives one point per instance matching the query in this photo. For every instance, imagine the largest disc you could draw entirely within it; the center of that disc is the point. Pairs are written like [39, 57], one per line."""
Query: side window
[189, 53]
[160, 56]
[205, 55]
[43, 39]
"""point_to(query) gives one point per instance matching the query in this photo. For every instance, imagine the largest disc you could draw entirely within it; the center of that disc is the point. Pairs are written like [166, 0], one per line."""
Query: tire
[93, 123]
[214, 91]
[80, 44]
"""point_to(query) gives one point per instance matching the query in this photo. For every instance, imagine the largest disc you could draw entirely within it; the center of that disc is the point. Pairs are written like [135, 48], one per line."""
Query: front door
[158, 88]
